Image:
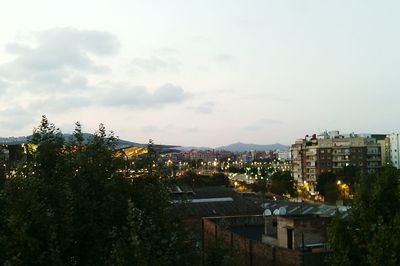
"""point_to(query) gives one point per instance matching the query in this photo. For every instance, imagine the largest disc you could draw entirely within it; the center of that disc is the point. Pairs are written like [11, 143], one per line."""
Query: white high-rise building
[395, 150]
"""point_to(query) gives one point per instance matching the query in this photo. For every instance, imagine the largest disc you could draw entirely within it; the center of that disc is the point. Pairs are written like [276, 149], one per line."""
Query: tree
[192, 179]
[349, 175]
[370, 233]
[327, 186]
[75, 203]
[260, 186]
[282, 183]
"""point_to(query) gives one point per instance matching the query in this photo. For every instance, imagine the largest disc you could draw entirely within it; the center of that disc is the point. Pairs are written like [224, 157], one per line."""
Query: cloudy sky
[201, 72]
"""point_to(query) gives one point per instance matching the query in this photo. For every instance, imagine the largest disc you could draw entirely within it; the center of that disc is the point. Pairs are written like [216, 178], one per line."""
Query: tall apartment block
[304, 161]
[331, 151]
[395, 150]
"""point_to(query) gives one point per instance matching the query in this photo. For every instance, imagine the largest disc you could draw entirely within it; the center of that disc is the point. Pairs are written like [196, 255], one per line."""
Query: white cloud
[153, 64]
[224, 58]
[138, 96]
[263, 124]
[204, 108]
[56, 60]
[150, 129]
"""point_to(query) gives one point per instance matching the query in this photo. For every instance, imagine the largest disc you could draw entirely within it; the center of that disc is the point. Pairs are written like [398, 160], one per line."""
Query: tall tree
[327, 186]
[370, 234]
[75, 203]
[282, 183]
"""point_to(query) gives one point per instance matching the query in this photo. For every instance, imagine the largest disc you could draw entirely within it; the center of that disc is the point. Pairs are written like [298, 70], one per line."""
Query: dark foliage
[76, 204]
[370, 234]
[195, 180]
[327, 187]
[282, 183]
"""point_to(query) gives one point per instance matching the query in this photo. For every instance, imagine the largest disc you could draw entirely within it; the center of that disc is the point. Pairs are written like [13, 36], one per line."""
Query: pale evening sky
[207, 72]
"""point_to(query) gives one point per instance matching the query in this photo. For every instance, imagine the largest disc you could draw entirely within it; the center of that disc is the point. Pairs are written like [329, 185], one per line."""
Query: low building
[297, 232]
[286, 234]
[244, 235]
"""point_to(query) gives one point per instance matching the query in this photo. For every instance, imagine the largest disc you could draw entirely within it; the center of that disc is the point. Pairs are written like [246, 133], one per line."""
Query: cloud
[60, 104]
[262, 124]
[204, 108]
[150, 129]
[153, 64]
[56, 58]
[138, 96]
[16, 118]
[3, 85]
[166, 51]
[224, 58]
[191, 130]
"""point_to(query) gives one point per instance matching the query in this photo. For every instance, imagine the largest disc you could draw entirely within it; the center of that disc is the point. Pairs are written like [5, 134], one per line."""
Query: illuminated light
[339, 182]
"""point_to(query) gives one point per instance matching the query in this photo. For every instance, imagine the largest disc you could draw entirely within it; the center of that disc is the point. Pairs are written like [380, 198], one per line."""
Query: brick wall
[252, 252]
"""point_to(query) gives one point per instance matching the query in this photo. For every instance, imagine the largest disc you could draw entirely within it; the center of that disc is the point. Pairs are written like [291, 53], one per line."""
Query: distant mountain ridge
[189, 148]
[241, 147]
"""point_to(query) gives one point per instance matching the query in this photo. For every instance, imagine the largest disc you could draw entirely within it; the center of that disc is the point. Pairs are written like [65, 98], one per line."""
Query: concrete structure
[204, 156]
[298, 232]
[244, 234]
[297, 160]
[283, 155]
[338, 151]
[331, 151]
[395, 150]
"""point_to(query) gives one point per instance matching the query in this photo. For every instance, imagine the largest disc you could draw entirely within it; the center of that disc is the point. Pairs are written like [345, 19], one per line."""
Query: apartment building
[331, 151]
[395, 150]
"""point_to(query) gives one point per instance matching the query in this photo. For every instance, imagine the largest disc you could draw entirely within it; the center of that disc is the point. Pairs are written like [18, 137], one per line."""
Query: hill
[240, 147]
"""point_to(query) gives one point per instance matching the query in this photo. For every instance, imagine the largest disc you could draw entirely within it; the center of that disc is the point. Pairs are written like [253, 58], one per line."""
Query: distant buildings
[331, 151]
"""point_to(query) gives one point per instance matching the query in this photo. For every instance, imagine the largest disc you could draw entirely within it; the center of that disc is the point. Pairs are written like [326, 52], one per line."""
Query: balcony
[340, 159]
[341, 152]
[374, 159]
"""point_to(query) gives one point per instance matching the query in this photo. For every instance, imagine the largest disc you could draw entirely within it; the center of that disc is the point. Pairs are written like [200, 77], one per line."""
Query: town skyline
[200, 73]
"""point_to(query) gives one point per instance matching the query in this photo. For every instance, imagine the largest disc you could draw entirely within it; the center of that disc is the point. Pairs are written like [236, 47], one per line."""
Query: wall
[252, 252]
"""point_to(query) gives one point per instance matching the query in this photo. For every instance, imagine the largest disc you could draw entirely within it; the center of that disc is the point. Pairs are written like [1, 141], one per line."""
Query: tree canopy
[282, 183]
[327, 186]
[74, 203]
[370, 234]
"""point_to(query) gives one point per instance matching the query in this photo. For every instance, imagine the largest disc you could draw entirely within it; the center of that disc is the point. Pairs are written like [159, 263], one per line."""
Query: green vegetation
[370, 234]
[340, 185]
[282, 183]
[195, 180]
[74, 203]
[327, 187]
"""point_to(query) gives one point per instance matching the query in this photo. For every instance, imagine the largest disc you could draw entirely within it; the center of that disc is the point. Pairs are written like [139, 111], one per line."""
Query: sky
[201, 72]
